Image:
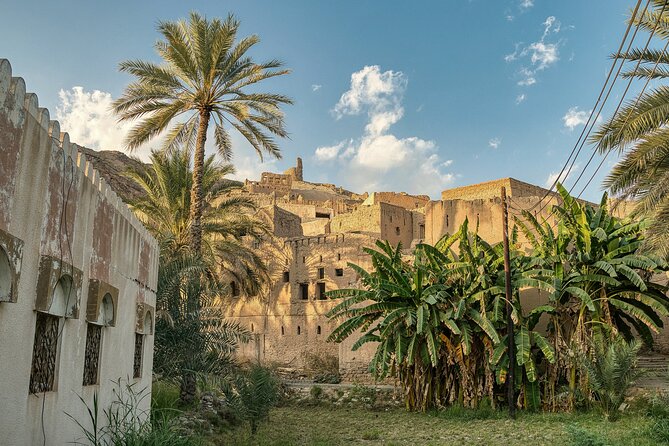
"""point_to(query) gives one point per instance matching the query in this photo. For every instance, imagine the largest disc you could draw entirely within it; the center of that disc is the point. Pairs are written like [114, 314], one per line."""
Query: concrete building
[78, 275]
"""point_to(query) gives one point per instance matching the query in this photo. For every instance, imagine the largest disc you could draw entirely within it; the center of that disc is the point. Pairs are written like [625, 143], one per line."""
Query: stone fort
[317, 229]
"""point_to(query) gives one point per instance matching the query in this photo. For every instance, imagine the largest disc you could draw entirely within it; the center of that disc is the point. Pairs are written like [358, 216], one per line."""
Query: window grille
[92, 355]
[45, 350]
[139, 350]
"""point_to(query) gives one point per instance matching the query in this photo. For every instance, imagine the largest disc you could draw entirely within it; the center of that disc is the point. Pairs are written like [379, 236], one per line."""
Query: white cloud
[328, 153]
[562, 177]
[520, 98]
[88, 118]
[495, 142]
[526, 4]
[316, 87]
[379, 160]
[575, 117]
[538, 55]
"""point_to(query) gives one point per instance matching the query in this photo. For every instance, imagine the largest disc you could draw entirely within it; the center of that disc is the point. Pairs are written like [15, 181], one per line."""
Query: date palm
[640, 134]
[205, 75]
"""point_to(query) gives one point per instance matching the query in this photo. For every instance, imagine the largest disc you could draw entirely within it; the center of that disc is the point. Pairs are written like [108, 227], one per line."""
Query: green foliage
[316, 392]
[582, 437]
[659, 430]
[438, 316]
[123, 423]
[252, 394]
[638, 133]
[611, 372]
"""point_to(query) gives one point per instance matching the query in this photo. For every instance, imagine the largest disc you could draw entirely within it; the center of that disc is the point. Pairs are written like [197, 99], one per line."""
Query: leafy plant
[611, 371]
[252, 394]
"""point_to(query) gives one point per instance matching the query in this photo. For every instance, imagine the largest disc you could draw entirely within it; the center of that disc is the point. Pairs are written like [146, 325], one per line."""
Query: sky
[388, 95]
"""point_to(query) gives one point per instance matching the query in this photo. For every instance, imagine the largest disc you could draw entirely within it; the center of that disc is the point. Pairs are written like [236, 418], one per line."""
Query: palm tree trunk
[196, 190]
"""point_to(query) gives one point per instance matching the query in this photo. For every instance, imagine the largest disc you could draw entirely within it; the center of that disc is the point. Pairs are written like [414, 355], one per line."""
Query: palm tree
[227, 220]
[206, 74]
[639, 132]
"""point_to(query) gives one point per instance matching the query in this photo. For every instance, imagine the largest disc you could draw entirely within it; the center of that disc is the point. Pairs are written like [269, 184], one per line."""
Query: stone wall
[401, 199]
[79, 263]
[491, 189]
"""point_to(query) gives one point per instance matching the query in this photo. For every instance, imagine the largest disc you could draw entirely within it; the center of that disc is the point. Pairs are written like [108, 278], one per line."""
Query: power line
[599, 98]
[626, 120]
[620, 103]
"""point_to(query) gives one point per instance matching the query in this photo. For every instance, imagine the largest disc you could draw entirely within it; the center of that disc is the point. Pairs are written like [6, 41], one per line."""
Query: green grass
[327, 425]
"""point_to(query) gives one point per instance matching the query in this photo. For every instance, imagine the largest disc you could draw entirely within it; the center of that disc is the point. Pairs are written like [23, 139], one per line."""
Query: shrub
[252, 394]
[611, 373]
[581, 437]
[659, 430]
[316, 392]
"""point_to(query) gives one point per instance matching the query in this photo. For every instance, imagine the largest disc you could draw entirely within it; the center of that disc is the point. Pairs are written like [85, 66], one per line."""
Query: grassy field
[332, 425]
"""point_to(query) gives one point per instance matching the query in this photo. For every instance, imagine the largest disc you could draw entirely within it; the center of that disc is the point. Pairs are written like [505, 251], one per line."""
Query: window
[339, 256]
[321, 273]
[339, 272]
[252, 328]
[299, 331]
[45, 350]
[304, 259]
[286, 276]
[318, 330]
[5, 277]
[234, 289]
[304, 291]
[320, 259]
[447, 221]
[421, 231]
[139, 353]
[320, 290]
[282, 331]
[92, 354]
[397, 230]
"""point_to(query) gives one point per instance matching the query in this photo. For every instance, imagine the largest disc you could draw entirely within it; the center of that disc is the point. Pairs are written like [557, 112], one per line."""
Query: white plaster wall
[28, 210]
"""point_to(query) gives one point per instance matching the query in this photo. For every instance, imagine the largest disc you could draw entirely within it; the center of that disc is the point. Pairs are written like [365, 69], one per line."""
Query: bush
[316, 392]
[659, 430]
[581, 437]
[252, 394]
[611, 373]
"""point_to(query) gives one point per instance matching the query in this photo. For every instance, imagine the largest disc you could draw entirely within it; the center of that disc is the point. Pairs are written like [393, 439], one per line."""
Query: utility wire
[629, 84]
[599, 98]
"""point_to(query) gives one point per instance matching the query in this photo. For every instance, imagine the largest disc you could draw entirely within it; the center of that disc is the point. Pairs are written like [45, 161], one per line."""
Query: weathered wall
[491, 189]
[401, 199]
[276, 316]
[53, 203]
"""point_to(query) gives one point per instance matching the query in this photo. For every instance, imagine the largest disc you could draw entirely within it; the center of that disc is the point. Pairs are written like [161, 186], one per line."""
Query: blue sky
[389, 95]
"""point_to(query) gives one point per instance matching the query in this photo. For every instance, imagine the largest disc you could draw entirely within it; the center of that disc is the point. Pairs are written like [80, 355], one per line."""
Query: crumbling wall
[59, 218]
[401, 199]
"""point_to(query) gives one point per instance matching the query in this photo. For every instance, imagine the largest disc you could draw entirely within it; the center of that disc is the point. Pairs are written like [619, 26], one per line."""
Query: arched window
[107, 310]
[63, 297]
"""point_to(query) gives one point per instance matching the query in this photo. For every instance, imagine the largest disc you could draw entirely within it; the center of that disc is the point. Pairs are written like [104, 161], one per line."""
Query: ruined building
[78, 276]
[319, 228]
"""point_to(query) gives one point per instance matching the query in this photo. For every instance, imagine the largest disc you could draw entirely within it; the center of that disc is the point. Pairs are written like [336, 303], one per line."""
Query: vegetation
[206, 75]
[252, 395]
[638, 132]
[328, 425]
[439, 320]
[611, 372]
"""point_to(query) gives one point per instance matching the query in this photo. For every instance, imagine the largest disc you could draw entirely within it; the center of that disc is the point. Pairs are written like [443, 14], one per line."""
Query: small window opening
[304, 259]
[320, 290]
[299, 330]
[339, 256]
[92, 354]
[252, 328]
[397, 230]
[282, 331]
[5, 277]
[320, 259]
[391, 218]
[318, 330]
[421, 231]
[339, 272]
[45, 350]
[447, 221]
[321, 273]
[304, 291]
[234, 289]
[139, 356]
[286, 276]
